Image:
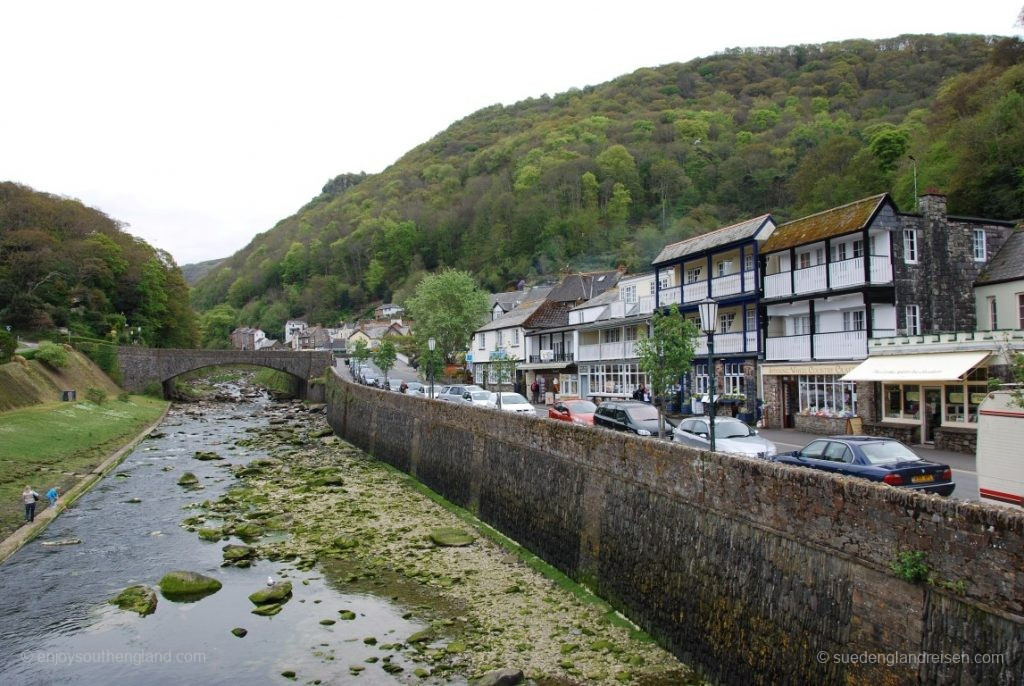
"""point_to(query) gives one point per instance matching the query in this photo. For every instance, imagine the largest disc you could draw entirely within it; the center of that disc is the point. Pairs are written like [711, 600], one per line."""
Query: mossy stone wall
[747, 570]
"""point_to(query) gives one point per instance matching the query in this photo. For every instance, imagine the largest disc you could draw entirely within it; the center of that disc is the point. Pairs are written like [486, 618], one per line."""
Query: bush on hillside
[97, 396]
[7, 346]
[52, 354]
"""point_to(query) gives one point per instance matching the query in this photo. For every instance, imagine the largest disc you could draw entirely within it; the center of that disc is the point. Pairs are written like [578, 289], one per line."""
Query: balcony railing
[841, 345]
[738, 342]
[842, 274]
[607, 351]
[834, 345]
[553, 357]
[669, 296]
[695, 291]
[788, 348]
[721, 286]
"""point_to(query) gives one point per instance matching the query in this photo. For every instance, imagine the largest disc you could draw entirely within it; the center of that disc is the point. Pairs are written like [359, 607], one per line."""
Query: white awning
[544, 365]
[921, 367]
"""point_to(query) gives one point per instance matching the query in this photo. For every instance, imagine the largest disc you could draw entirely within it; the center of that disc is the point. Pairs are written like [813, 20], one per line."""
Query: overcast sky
[200, 124]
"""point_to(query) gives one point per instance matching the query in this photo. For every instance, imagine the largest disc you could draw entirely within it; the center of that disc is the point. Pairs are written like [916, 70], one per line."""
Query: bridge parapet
[141, 367]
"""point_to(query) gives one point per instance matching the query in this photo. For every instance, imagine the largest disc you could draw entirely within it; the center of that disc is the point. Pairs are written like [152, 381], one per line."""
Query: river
[57, 626]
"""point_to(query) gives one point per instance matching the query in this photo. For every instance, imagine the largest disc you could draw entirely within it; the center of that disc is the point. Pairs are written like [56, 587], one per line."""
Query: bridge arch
[141, 367]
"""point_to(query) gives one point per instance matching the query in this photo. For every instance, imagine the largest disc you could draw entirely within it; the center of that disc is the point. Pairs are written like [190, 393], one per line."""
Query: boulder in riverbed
[141, 599]
[188, 479]
[501, 677]
[450, 537]
[237, 553]
[187, 586]
[279, 593]
[206, 455]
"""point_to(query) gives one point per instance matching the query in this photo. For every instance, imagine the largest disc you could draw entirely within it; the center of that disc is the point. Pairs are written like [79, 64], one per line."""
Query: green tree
[384, 357]
[216, 325]
[504, 365]
[665, 356]
[360, 352]
[7, 346]
[448, 307]
[52, 354]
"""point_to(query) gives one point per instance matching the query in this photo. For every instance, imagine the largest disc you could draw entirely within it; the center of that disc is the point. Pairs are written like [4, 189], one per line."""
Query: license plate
[922, 478]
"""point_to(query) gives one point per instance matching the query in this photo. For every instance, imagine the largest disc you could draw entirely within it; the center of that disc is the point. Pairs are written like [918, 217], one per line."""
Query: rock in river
[277, 593]
[450, 536]
[187, 586]
[206, 455]
[188, 479]
[501, 677]
[141, 599]
[237, 553]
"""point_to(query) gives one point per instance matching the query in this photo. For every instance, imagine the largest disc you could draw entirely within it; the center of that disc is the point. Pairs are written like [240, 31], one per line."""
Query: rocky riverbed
[321, 505]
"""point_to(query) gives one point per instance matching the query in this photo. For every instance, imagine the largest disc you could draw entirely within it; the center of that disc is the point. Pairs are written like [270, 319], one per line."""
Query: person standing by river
[54, 495]
[29, 497]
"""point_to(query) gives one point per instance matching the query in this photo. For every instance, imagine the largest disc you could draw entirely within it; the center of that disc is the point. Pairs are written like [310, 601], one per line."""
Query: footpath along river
[376, 599]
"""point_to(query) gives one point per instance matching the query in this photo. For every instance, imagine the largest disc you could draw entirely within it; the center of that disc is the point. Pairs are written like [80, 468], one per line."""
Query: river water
[58, 628]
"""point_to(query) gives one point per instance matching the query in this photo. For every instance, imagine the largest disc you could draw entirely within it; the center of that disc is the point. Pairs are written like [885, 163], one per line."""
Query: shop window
[826, 396]
[902, 401]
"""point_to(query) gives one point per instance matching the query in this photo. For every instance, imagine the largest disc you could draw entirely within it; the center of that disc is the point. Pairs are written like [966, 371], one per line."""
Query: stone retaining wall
[957, 439]
[745, 569]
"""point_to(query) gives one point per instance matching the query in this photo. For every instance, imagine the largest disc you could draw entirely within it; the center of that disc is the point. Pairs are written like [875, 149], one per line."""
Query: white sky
[201, 124]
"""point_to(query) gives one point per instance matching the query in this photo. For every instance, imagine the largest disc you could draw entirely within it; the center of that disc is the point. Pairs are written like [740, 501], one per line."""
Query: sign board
[855, 426]
[547, 355]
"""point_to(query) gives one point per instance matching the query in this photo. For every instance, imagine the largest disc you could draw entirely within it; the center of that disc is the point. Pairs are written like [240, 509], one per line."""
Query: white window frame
[481, 341]
[803, 260]
[802, 325]
[499, 339]
[515, 338]
[910, 255]
[748, 262]
[724, 268]
[725, 321]
[826, 396]
[839, 252]
[993, 314]
[629, 293]
[700, 379]
[751, 319]
[913, 317]
[665, 280]
[1020, 310]
[853, 320]
[694, 274]
[733, 380]
[858, 248]
[979, 245]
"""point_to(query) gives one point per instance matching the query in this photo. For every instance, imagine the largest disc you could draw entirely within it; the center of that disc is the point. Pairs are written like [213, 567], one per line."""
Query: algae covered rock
[501, 677]
[141, 599]
[188, 479]
[451, 537]
[187, 586]
[279, 592]
[268, 610]
[247, 531]
[206, 456]
[237, 553]
[210, 534]
[239, 631]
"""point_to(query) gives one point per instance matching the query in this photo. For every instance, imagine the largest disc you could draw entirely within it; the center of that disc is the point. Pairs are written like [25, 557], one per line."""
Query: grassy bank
[56, 443]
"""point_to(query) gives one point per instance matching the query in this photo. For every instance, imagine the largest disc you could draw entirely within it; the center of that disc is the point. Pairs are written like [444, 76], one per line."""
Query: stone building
[863, 271]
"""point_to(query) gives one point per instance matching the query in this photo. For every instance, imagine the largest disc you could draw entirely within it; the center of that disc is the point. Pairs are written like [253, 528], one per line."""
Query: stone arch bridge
[140, 367]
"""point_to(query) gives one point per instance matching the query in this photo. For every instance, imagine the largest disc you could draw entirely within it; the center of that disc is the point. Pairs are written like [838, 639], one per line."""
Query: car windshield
[581, 407]
[512, 399]
[888, 452]
[640, 414]
[732, 430]
[480, 395]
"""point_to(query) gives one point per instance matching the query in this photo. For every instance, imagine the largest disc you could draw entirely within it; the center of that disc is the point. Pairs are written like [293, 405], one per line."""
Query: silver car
[731, 436]
[478, 398]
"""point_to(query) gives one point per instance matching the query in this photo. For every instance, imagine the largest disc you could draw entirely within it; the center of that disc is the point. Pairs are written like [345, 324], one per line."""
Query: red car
[575, 411]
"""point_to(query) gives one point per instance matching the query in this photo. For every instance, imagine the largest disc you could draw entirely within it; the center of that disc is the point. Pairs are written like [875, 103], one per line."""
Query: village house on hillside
[249, 338]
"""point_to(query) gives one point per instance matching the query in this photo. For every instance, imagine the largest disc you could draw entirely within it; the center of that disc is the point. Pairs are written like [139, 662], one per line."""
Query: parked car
[415, 388]
[511, 402]
[455, 392]
[878, 459]
[370, 380]
[395, 385]
[575, 411]
[731, 436]
[629, 415]
[478, 398]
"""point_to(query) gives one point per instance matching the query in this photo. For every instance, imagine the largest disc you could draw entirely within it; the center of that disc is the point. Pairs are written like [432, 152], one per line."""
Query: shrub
[7, 346]
[154, 389]
[911, 566]
[96, 395]
[124, 397]
[52, 354]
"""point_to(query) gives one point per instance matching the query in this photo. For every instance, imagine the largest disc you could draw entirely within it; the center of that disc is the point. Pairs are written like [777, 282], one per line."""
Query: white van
[1001, 449]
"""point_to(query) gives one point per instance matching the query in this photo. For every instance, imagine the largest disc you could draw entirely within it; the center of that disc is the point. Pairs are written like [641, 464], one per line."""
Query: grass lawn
[56, 444]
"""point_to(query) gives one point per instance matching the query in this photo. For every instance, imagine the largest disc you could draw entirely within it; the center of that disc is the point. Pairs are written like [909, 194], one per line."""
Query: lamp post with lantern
[708, 319]
[431, 344]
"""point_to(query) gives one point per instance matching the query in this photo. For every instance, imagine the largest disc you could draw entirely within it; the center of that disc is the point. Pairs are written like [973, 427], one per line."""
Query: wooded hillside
[63, 264]
[608, 174]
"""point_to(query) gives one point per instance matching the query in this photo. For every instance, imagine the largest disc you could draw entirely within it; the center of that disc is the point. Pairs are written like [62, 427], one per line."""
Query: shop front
[929, 398]
[811, 397]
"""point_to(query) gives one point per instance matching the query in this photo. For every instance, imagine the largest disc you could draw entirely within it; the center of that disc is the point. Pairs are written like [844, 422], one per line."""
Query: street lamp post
[708, 319]
[431, 344]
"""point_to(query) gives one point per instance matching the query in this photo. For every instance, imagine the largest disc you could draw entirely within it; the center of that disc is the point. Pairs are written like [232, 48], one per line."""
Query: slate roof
[712, 239]
[516, 317]
[509, 300]
[1008, 263]
[608, 297]
[578, 287]
[834, 222]
[550, 315]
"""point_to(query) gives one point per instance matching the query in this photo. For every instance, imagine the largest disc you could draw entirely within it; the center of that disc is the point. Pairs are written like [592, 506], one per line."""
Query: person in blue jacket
[54, 495]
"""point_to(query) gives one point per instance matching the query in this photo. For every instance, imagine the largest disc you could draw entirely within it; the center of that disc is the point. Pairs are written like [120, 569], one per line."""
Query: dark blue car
[877, 459]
